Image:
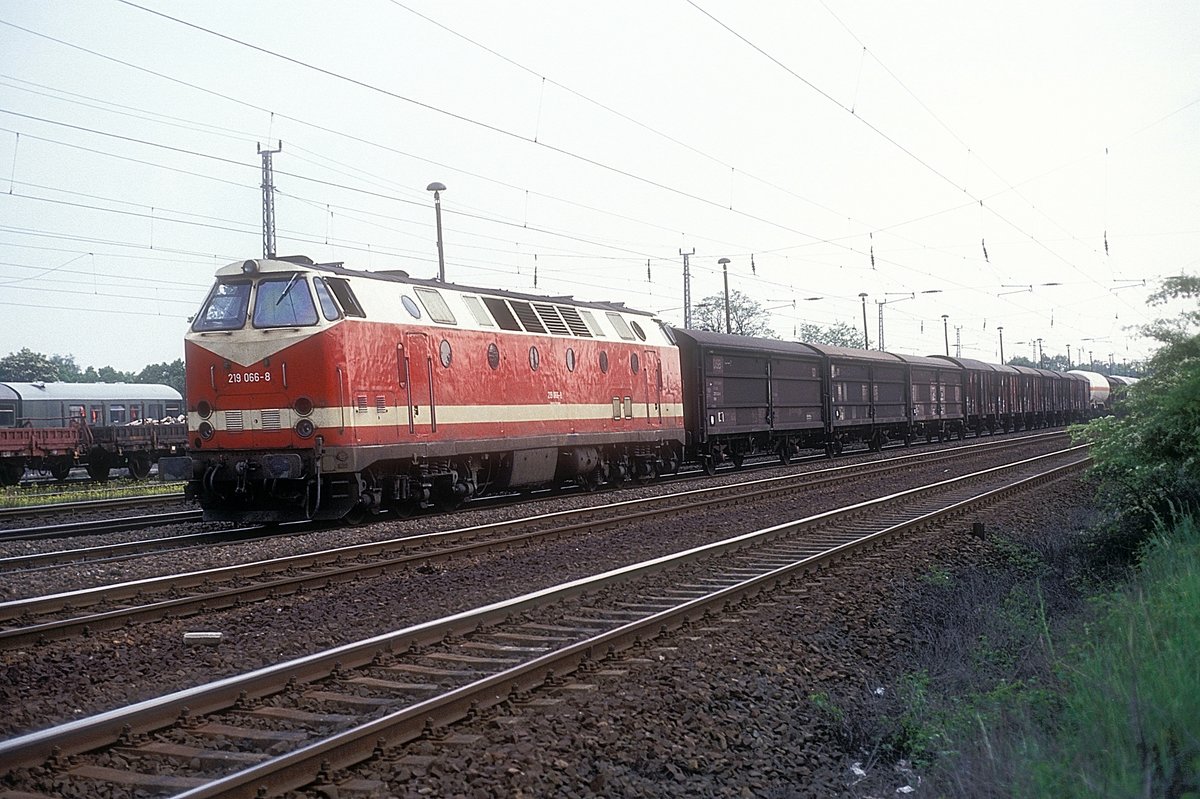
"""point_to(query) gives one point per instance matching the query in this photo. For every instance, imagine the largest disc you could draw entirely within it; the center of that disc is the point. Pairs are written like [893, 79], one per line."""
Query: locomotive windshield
[225, 308]
[284, 301]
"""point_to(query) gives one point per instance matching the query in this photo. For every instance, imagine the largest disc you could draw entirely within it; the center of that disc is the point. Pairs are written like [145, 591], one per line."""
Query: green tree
[27, 366]
[746, 315]
[839, 334]
[170, 374]
[1147, 457]
[68, 370]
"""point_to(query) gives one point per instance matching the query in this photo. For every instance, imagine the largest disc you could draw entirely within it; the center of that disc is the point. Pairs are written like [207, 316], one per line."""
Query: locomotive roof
[290, 263]
[91, 392]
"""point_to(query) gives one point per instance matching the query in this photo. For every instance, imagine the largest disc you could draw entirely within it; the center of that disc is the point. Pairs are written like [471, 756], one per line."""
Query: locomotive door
[416, 383]
[652, 369]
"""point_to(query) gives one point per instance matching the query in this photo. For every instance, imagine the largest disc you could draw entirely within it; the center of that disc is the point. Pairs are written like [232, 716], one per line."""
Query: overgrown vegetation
[1071, 670]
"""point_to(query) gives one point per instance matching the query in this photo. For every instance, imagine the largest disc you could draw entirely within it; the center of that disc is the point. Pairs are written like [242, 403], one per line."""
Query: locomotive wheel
[98, 463]
[139, 466]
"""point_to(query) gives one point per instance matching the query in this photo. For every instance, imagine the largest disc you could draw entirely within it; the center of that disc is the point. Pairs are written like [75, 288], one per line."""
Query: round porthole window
[570, 360]
[633, 362]
[493, 356]
[604, 361]
[638, 330]
[410, 305]
[534, 358]
[445, 353]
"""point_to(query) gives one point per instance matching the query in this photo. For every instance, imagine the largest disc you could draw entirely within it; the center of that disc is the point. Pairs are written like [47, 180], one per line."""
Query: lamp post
[724, 262]
[1068, 356]
[946, 332]
[1000, 330]
[1041, 358]
[862, 295]
[437, 189]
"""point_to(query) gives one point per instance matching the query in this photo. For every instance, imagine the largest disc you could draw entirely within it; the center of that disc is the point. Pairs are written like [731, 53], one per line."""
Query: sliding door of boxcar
[795, 393]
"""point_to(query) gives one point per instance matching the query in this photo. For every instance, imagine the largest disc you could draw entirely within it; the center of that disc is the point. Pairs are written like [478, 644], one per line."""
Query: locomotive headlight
[249, 267]
[303, 406]
[305, 428]
[204, 408]
[205, 430]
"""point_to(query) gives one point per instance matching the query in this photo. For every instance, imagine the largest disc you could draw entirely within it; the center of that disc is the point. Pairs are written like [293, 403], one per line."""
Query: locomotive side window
[445, 353]
[604, 361]
[534, 358]
[591, 322]
[633, 362]
[475, 306]
[225, 307]
[410, 306]
[493, 356]
[570, 356]
[345, 296]
[328, 307]
[637, 329]
[284, 302]
[619, 324]
[503, 316]
[438, 310]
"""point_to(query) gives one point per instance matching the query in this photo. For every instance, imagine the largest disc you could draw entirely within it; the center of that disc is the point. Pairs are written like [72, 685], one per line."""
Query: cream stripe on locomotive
[273, 419]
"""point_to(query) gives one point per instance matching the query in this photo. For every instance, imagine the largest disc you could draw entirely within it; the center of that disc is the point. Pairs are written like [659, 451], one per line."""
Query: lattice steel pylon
[268, 193]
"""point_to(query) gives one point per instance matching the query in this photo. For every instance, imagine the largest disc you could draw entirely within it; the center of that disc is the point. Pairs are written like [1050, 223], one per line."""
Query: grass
[1130, 722]
[1037, 683]
[54, 493]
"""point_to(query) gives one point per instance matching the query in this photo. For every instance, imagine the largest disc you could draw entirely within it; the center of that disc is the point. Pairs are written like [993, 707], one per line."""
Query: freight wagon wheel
[139, 466]
[709, 463]
[785, 453]
[60, 470]
[738, 458]
[98, 463]
[10, 473]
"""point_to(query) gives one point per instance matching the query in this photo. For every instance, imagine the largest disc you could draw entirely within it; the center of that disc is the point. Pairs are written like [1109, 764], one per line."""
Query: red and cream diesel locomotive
[317, 391]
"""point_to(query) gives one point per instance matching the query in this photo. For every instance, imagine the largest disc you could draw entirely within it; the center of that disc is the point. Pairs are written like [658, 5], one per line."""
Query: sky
[1029, 166]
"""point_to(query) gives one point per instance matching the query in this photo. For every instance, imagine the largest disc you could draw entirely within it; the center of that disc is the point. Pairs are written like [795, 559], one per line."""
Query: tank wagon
[316, 391]
[52, 427]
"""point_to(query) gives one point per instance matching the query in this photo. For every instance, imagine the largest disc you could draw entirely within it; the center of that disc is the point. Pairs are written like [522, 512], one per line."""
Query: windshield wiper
[287, 288]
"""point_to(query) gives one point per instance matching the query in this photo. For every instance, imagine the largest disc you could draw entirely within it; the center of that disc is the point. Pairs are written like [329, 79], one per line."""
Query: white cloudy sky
[840, 148]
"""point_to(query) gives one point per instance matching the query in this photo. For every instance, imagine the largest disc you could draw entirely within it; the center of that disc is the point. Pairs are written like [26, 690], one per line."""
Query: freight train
[53, 427]
[320, 392]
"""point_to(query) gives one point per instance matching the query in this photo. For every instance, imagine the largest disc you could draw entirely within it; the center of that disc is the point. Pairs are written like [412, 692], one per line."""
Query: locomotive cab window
[225, 307]
[329, 308]
[345, 296]
[284, 302]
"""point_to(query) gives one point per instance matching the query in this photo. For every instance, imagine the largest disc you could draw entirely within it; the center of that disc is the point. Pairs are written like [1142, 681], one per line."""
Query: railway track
[105, 607]
[299, 723]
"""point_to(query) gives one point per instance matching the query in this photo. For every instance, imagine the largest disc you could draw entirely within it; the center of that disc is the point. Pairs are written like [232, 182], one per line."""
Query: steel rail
[330, 566]
[106, 728]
